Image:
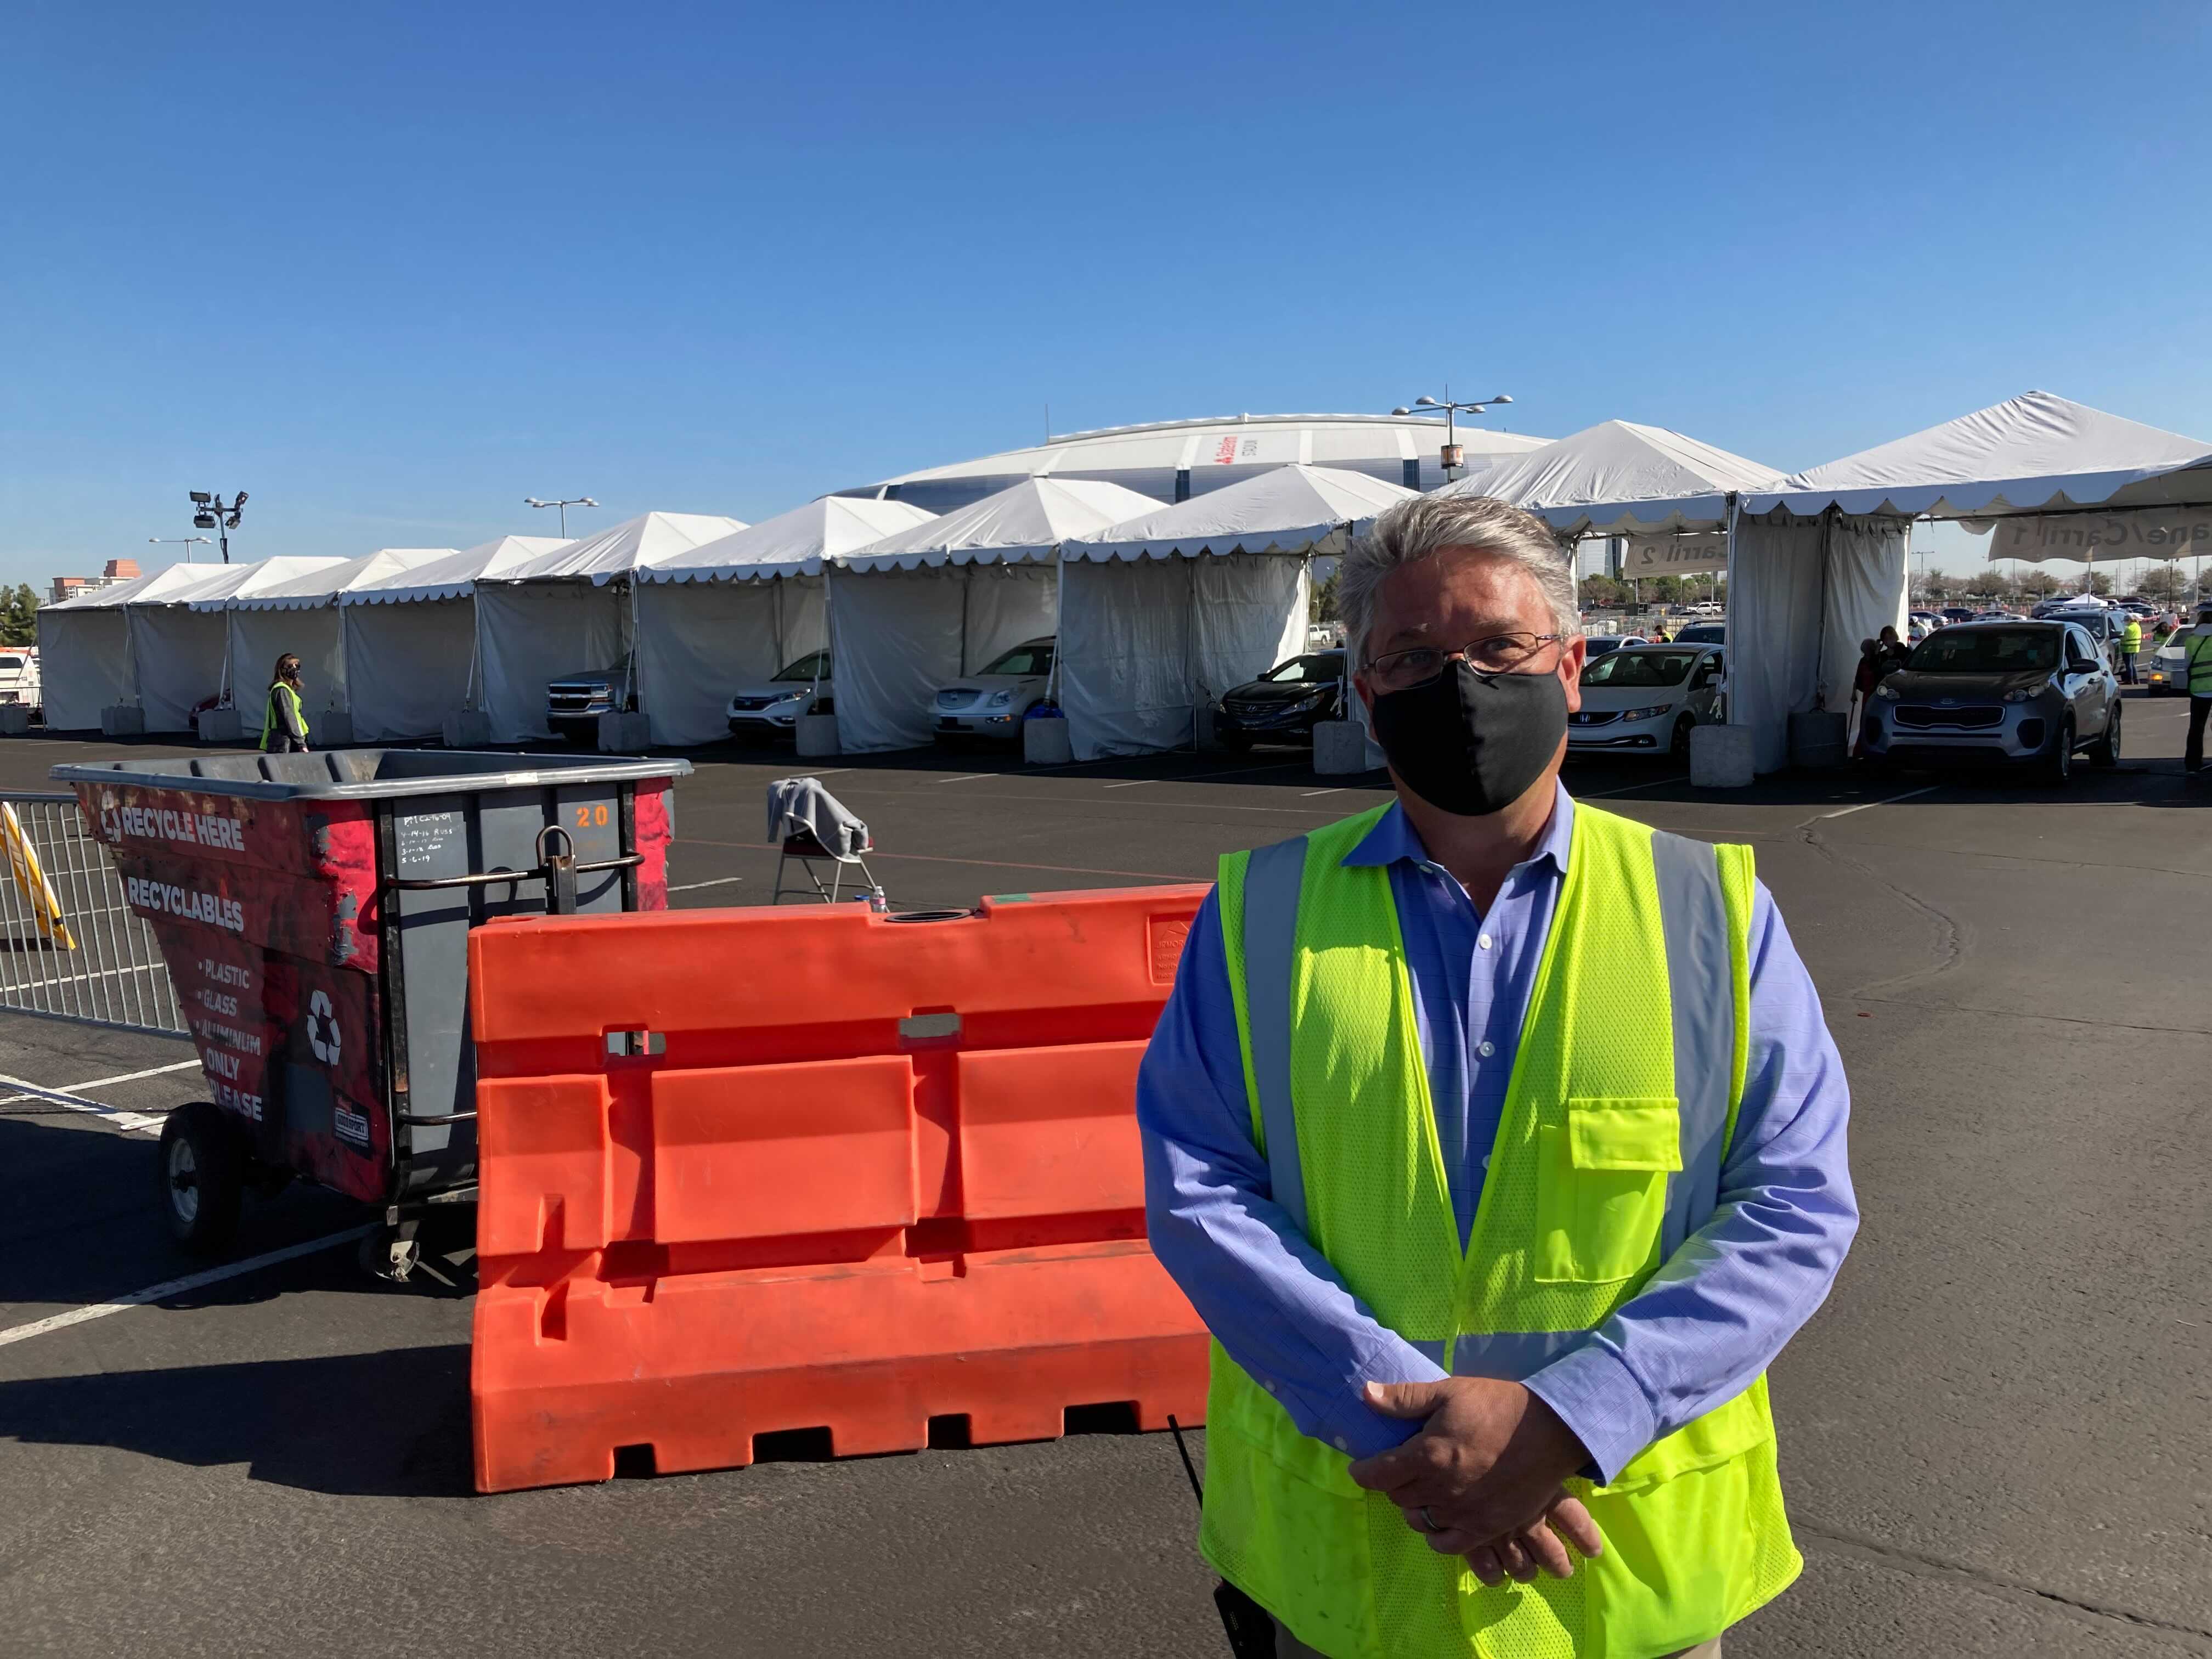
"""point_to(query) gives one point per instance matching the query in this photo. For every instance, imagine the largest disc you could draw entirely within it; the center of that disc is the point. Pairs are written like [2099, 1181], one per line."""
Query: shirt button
[1483, 942]
[1486, 1049]
[1270, 1387]
[1486, 1165]
[1340, 1446]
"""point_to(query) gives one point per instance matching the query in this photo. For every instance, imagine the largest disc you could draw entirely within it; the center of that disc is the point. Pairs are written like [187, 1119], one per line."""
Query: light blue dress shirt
[1707, 1323]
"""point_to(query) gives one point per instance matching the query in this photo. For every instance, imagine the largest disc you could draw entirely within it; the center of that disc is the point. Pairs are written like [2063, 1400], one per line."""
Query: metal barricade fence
[70, 946]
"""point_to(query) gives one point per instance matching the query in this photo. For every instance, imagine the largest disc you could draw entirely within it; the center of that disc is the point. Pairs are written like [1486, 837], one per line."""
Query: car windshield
[814, 666]
[1321, 665]
[1636, 666]
[1986, 651]
[1034, 657]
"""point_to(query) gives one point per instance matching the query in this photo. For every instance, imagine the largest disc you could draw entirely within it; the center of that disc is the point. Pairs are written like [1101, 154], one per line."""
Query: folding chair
[799, 809]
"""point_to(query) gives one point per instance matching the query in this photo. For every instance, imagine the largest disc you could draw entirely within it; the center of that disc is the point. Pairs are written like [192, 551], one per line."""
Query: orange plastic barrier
[748, 1171]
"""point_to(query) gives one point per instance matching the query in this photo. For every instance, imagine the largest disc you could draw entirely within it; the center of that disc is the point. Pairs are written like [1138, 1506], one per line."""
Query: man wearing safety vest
[2131, 648]
[2196, 656]
[284, 723]
[1500, 1142]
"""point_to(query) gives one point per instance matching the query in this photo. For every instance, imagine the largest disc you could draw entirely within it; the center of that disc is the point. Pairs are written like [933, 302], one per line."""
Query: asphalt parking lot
[1994, 1437]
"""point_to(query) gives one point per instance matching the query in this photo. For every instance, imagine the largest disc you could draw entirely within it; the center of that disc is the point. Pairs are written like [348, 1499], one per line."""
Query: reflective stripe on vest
[1694, 913]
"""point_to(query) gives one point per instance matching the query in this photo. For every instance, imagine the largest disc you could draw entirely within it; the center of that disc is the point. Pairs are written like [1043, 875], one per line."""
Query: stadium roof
[1173, 460]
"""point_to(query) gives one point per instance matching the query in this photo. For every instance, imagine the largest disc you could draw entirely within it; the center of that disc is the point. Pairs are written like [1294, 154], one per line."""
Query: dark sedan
[1282, 705]
[2026, 693]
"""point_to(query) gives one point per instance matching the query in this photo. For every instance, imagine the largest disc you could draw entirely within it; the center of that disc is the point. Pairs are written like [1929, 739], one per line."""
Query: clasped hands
[1486, 1466]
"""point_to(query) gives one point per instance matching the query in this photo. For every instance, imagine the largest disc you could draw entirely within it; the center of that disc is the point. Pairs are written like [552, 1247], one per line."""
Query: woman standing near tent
[284, 723]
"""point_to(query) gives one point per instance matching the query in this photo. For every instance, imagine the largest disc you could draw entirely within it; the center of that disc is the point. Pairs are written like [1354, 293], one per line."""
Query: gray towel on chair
[798, 804]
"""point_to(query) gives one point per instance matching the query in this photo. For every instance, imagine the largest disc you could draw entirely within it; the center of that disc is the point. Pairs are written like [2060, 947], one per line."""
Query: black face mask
[1471, 745]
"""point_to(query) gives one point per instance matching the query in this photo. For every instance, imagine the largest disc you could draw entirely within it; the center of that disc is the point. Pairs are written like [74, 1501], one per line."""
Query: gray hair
[1415, 530]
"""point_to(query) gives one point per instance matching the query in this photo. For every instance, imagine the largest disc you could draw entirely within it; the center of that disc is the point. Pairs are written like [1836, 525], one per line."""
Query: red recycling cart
[313, 911]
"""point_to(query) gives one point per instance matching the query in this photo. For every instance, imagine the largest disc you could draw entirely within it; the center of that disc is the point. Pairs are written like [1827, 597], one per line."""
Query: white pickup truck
[19, 675]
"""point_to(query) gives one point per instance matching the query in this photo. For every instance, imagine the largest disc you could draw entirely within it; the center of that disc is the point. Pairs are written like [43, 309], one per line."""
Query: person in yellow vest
[1500, 1142]
[283, 721]
[2196, 675]
[2132, 638]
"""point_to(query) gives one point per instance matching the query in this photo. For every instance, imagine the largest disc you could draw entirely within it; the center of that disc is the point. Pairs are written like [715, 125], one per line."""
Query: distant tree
[2163, 584]
[1989, 584]
[1602, 592]
[1324, 600]
[2037, 585]
[1661, 590]
[1941, 585]
[2099, 584]
[19, 615]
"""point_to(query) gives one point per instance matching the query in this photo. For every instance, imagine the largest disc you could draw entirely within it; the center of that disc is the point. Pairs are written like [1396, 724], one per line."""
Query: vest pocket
[1601, 1186]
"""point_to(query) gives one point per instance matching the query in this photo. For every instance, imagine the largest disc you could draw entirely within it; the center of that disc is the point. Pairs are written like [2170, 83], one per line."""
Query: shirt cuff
[1598, 1397]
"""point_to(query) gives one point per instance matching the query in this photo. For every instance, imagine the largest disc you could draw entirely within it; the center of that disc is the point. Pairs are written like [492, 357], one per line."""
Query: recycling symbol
[322, 1027]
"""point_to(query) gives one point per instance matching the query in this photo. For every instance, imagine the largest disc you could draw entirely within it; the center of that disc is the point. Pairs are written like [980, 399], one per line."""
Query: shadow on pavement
[389, 1424]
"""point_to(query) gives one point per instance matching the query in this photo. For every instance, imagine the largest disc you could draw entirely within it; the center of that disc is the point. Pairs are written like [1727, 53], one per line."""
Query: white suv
[991, 704]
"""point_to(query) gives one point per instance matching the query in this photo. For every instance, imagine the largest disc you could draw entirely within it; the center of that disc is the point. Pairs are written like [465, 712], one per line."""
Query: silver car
[2019, 693]
[1644, 699]
[764, 712]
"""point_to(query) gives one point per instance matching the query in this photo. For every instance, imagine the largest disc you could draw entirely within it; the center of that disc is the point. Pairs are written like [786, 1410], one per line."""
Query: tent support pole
[1730, 715]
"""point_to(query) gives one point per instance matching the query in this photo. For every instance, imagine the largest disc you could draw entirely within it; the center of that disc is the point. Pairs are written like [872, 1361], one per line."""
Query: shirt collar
[1394, 839]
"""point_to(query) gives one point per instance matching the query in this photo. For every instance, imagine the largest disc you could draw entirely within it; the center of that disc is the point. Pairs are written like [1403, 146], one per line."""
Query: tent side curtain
[84, 666]
[1144, 642]
[257, 638]
[407, 666]
[897, 635]
[698, 641]
[179, 657]
[1803, 594]
[531, 633]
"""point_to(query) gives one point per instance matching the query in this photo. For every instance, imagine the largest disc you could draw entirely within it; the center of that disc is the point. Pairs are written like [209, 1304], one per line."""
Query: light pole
[573, 500]
[1454, 456]
[209, 513]
[179, 541]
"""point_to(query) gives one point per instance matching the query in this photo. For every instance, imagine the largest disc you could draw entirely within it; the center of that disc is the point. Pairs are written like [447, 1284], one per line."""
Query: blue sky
[393, 268]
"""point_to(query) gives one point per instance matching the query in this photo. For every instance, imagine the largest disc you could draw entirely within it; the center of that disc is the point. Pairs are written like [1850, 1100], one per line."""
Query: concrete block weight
[624, 733]
[15, 718]
[1339, 748]
[1046, 743]
[122, 720]
[815, 736]
[1720, 758]
[467, 728]
[221, 726]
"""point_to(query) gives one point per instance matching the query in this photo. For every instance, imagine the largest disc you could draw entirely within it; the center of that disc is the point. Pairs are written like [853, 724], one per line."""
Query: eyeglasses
[1501, 654]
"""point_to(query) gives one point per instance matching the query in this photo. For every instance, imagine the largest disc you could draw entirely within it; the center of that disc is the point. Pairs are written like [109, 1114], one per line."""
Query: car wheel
[2105, 751]
[1679, 747]
[2058, 764]
[199, 1176]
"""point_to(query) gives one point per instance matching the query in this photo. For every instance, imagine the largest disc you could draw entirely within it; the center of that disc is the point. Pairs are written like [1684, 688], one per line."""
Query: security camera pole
[209, 513]
[1455, 456]
[573, 500]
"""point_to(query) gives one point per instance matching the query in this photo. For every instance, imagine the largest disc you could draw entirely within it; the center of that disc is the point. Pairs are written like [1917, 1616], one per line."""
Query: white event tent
[724, 613]
[84, 646]
[1163, 611]
[1818, 561]
[565, 610]
[921, 607]
[180, 643]
[300, 615]
[410, 637]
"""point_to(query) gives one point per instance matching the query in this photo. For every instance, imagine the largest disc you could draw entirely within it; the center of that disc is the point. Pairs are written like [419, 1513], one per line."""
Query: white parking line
[1310, 793]
[178, 1287]
[693, 886]
[1886, 800]
[129, 1122]
[967, 777]
[1127, 783]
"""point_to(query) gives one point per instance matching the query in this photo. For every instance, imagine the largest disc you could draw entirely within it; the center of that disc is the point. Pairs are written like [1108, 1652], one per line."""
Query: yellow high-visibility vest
[1621, 1105]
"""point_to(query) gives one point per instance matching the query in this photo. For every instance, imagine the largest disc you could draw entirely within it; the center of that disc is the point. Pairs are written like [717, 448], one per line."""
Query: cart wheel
[197, 1177]
[387, 1256]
